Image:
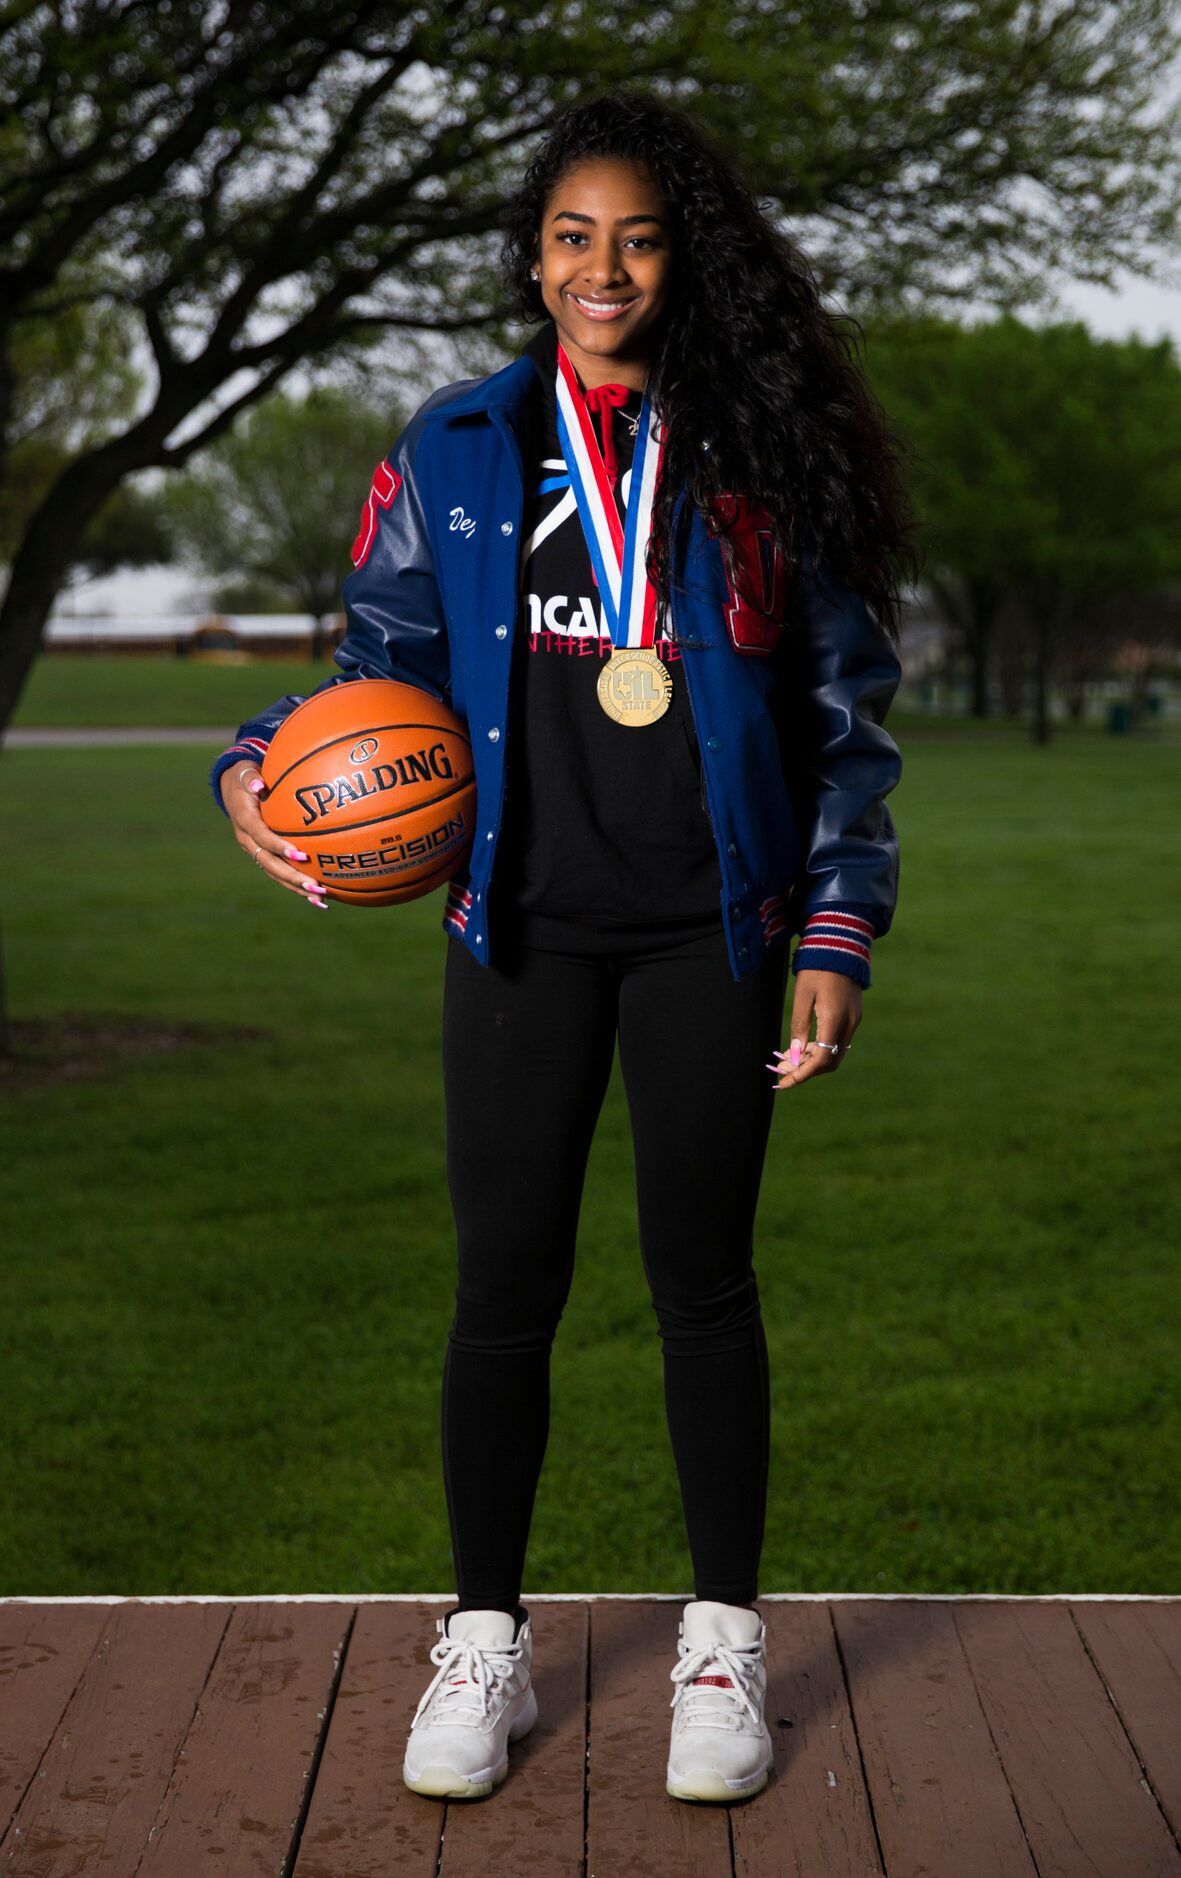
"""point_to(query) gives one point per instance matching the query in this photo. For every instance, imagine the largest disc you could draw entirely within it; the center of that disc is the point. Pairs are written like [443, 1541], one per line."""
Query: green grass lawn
[227, 1272]
[74, 689]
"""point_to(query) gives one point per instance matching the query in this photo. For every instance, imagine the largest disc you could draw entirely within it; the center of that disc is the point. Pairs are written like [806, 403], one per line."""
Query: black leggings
[527, 1050]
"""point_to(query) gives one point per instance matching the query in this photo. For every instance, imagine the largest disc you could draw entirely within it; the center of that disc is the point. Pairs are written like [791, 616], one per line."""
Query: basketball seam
[373, 731]
[349, 828]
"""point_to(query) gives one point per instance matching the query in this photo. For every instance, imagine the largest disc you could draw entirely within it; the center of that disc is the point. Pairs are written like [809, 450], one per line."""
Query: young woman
[653, 563]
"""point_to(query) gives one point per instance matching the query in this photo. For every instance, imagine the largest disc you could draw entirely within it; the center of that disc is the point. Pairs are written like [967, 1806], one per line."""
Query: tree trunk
[1140, 684]
[5, 1028]
[979, 651]
[41, 562]
[36, 578]
[1041, 680]
[984, 600]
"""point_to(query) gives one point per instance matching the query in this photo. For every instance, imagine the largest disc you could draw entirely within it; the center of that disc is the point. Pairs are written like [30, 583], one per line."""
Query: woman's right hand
[242, 789]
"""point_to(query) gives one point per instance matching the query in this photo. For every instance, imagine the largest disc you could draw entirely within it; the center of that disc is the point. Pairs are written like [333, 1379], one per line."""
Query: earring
[535, 275]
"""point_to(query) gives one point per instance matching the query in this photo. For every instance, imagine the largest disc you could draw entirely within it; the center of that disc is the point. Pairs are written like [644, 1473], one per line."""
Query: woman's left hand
[834, 999]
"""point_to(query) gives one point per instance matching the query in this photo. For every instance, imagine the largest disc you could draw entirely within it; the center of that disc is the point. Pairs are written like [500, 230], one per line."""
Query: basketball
[374, 781]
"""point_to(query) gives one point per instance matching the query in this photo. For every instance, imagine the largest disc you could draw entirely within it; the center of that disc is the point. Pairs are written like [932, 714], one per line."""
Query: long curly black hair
[746, 361]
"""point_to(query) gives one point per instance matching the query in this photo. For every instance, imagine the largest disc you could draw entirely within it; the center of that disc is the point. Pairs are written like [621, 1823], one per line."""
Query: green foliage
[279, 497]
[74, 375]
[74, 383]
[130, 529]
[228, 1272]
[1043, 450]
[1044, 463]
[276, 184]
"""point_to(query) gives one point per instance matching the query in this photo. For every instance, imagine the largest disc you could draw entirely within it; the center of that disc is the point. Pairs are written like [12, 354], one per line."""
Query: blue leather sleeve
[839, 676]
[392, 603]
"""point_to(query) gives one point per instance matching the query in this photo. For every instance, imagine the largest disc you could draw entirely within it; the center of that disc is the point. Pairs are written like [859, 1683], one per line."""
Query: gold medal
[635, 687]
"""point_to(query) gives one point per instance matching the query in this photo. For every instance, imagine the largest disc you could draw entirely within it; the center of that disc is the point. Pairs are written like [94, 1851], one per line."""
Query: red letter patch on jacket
[386, 484]
[754, 574]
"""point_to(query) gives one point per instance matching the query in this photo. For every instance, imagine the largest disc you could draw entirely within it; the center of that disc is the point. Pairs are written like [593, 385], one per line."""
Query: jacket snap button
[735, 910]
[743, 954]
[479, 938]
[501, 632]
[713, 743]
[731, 850]
[506, 528]
[488, 836]
[494, 735]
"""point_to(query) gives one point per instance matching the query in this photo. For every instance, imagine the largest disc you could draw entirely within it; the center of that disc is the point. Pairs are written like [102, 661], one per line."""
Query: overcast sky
[1152, 312]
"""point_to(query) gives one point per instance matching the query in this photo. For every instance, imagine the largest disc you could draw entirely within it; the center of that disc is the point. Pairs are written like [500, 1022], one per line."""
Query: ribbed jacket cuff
[834, 941]
[252, 749]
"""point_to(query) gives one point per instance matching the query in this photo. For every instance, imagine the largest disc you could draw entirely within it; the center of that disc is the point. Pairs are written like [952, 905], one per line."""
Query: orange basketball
[374, 781]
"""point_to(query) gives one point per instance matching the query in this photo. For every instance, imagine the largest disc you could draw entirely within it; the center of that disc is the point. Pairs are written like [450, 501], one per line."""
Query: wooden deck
[914, 1737]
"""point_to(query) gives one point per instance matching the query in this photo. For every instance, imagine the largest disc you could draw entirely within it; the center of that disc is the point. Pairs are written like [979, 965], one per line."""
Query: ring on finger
[257, 852]
[833, 1047]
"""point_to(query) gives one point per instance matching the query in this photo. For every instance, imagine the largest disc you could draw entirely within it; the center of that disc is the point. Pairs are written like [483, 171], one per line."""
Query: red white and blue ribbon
[618, 552]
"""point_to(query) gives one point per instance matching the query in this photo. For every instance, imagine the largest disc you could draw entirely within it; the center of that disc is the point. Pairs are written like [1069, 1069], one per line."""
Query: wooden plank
[1074, 1777]
[238, 1790]
[43, 1651]
[533, 1822]
[112, 1754]
[940, 1798]
[363, 1821]
[1137, 1648]
[633, 1825]
[813, 1817]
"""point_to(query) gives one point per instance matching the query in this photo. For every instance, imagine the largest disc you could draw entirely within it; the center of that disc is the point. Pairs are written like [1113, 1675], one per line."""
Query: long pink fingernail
[796, 1050]
[295, 854]
[256, 785]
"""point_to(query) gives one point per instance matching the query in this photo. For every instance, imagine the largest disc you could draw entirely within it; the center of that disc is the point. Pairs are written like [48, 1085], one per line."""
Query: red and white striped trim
[459, 905]
[838, 932]
[771, 915]
[253, 747]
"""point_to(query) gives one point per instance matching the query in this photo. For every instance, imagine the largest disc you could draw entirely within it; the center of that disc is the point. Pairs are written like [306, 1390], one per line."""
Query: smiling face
[605, 261]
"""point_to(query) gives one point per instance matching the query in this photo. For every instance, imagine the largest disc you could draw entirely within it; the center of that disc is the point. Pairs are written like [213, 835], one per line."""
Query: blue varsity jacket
[795, 762]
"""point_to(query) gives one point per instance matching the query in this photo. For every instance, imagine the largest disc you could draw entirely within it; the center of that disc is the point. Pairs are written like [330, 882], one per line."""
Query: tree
[278, 497]
[1049, 480]
[257, 186]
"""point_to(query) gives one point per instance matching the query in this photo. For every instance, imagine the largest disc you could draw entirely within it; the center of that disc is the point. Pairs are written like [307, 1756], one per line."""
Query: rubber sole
[713, 1787]
[447, 1783]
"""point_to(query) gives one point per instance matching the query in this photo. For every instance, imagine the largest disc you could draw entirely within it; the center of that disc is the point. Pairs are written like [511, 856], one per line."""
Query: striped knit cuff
[835, 942]
[455, 912]
[249, 749]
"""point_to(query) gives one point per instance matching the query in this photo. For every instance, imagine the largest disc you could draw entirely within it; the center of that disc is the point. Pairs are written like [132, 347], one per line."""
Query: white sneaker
[481, 1699]
[721, 1745]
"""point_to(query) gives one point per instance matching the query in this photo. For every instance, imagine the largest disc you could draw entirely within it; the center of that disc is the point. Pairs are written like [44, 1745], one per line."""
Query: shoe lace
[699, 1700]
[466, 1666]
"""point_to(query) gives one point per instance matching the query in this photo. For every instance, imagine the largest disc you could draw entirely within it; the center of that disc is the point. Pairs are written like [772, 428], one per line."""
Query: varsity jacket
[795, 761]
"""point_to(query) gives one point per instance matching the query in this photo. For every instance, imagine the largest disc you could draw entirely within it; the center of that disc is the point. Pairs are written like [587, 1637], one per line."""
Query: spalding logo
[361, 752]
[416, 766]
